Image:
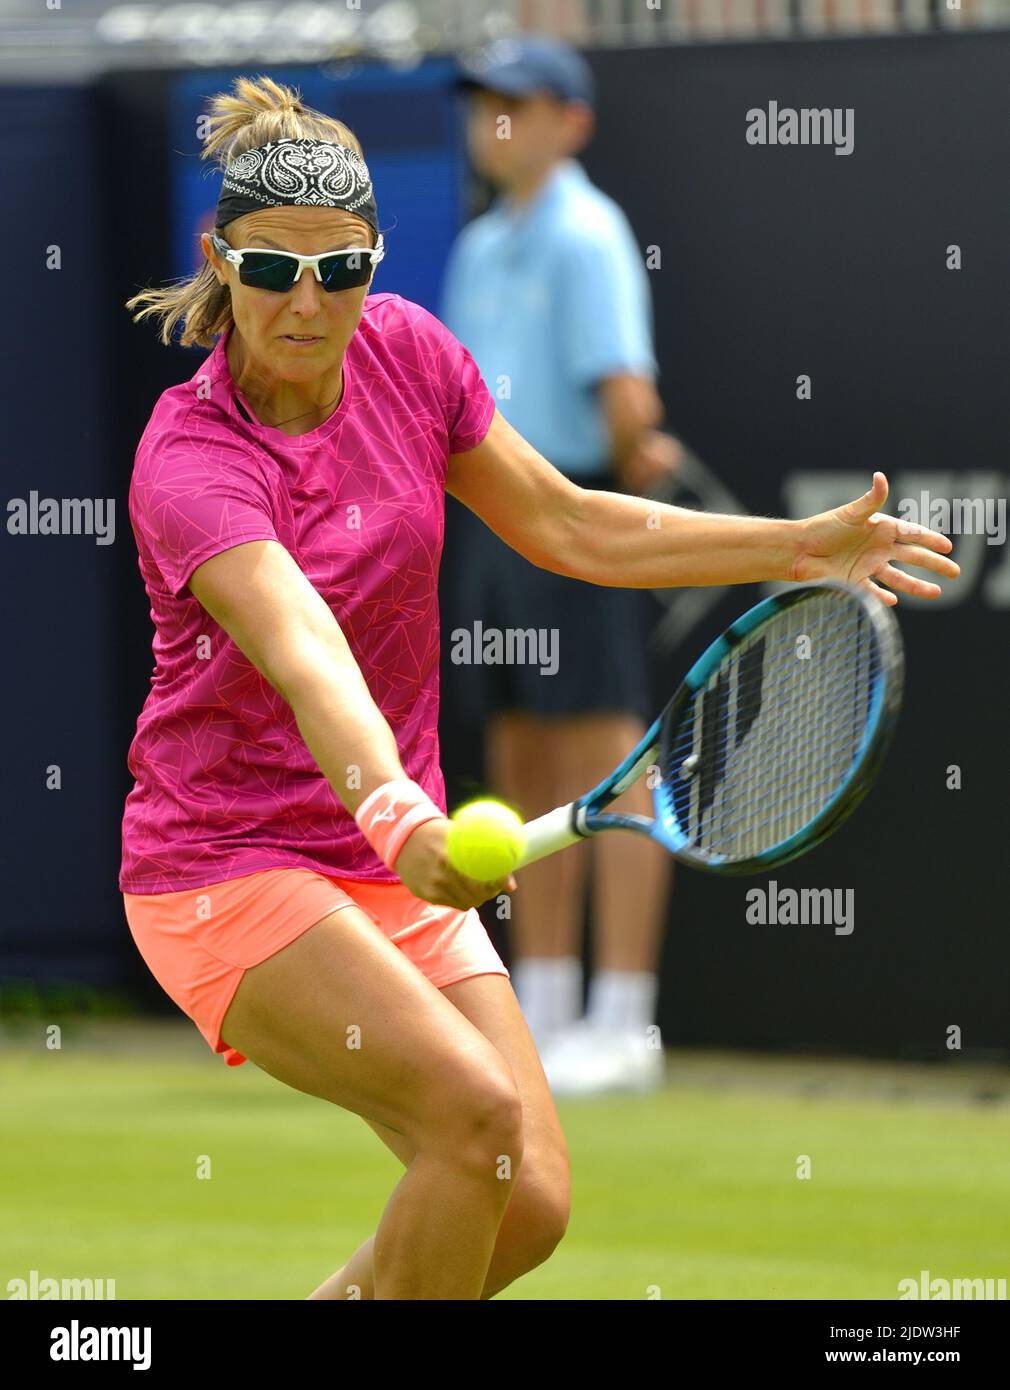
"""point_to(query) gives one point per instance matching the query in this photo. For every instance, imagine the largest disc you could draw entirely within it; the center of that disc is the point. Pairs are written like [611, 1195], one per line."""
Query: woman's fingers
[464, 892]
[911, 554]
[906, 583]
[884, 595]
[910, 532]
[491, 890]
[856, 512]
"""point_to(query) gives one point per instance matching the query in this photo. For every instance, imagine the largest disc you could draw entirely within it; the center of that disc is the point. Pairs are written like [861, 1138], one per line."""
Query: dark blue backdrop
[60, 911]
[775, 262]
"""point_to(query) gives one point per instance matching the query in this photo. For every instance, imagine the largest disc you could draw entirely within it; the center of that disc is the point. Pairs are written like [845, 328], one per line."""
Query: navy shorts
[518, 637]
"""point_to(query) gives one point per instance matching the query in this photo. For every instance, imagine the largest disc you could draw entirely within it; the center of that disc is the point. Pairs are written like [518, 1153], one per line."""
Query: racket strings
[810, 723]
[759, 783]
[747, 698]
[761, 788]
[770, 739]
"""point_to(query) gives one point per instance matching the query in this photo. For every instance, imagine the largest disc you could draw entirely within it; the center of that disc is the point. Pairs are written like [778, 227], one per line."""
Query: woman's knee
[544, 1223]
[534, 1224]
[545, 1200]
[478, 1124]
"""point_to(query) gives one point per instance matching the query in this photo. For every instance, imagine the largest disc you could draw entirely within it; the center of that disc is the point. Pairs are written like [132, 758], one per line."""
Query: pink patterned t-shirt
[224, 784]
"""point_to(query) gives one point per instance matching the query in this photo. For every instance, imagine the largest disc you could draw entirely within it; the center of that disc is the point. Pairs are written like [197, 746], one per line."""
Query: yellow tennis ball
[485, 840]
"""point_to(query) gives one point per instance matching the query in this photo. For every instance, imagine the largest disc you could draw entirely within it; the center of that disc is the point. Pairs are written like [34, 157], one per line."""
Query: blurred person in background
[549, 293]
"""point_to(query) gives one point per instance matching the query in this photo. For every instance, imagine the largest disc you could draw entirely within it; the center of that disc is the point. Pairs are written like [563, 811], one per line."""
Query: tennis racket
[771, 741]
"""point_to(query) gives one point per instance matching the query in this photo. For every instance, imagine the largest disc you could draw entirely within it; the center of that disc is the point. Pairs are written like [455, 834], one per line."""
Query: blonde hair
[255, 111]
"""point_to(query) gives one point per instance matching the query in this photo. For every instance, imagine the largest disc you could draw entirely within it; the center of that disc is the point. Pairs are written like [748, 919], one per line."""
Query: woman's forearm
[343, 728]
[637, 543]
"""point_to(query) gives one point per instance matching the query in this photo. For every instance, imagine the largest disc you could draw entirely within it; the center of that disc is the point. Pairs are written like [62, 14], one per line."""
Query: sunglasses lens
[264, 271]
[345, 272]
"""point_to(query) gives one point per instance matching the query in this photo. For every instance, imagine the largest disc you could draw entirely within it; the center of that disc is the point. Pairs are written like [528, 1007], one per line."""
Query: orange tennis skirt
[198, 942]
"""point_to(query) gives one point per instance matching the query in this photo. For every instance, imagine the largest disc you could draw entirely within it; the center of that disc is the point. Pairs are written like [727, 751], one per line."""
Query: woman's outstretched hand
[858, 543]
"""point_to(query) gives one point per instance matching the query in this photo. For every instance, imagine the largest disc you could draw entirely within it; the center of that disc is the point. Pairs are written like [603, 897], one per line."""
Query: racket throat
[556, 830]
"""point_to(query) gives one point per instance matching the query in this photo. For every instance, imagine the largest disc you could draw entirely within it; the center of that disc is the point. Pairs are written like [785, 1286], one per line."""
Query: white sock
[622, 1000]
[549, 990]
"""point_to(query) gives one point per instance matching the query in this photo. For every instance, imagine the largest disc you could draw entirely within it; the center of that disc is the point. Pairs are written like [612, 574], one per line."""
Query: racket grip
[547, 834]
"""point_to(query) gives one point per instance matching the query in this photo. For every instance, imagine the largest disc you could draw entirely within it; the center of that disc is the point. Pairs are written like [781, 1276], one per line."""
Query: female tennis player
[284, 866]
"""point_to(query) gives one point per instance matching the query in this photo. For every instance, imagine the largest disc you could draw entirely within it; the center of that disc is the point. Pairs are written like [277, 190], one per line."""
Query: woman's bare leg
[341, 1014]
[538, 1210]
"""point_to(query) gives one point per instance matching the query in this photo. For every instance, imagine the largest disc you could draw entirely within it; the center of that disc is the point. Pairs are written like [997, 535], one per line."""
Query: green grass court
[692, 1192]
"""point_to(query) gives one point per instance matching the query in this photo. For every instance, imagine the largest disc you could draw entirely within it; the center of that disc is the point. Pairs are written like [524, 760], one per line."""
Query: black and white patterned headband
[312, 173]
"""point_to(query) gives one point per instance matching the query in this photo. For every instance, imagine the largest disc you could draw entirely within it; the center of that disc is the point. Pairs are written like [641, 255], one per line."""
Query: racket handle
[547, 834]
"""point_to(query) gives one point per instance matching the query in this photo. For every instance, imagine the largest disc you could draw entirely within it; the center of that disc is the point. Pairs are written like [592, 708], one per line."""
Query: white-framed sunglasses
[280, 270]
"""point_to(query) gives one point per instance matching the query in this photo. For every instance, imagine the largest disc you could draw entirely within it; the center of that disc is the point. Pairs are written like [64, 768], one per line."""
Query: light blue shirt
[549, 298]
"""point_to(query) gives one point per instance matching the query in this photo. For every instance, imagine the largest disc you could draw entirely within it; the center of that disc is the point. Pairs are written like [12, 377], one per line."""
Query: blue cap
[523, 64]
